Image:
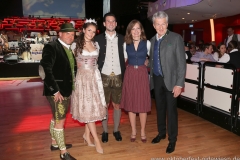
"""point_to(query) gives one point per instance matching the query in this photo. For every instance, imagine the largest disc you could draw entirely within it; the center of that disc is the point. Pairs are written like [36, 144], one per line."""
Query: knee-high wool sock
[59, 137]
[116, 118]
[51, 127]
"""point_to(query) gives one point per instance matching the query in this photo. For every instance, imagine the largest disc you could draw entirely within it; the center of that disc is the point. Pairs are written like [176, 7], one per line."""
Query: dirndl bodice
[88, 101]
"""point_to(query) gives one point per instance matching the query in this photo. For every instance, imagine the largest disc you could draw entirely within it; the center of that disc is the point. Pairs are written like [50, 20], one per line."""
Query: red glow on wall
[221, 25]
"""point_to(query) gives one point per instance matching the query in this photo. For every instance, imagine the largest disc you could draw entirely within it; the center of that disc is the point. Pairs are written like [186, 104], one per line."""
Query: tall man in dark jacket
[59, 66]
[234, 54]
[111, 64]
[167, 76]
[231, 36]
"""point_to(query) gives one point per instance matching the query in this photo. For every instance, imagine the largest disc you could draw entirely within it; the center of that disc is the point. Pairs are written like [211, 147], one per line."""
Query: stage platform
[18, 70]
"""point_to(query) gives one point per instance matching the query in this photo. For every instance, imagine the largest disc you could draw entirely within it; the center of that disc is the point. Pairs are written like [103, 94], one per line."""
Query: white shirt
[234, 50]
[215, 56]
[64, 44]
[224, 59]
[110, 37]
[230, 38]
[125, 52]
[73, 46]
[160, 37]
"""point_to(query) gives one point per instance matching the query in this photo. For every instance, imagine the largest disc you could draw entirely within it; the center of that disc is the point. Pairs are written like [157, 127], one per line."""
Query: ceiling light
[193, 20]
[183, 18]
[188, 13]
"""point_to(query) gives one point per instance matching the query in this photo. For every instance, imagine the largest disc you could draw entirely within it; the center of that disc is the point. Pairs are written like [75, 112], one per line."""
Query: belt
[112, 74]
[135, 66]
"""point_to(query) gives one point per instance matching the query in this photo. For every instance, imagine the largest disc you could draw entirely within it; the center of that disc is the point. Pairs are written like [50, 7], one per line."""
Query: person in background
[231, 36]
[213, 43]
[136, 91]
[221, 55]
[204, 56]
[200, 45]
[214, 50]
[234, 54]
[5, 39]
[188, 54]
[1, 45]
[192, 49]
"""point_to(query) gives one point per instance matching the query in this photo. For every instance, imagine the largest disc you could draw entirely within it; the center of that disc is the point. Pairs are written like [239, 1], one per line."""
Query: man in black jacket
[111, 64]
[231, 36]
[59, 66]
[234, 54]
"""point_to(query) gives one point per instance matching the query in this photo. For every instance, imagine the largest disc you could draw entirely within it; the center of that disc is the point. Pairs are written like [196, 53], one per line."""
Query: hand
[146, 62]
[219, 66]
[177, 90]
[58, 97]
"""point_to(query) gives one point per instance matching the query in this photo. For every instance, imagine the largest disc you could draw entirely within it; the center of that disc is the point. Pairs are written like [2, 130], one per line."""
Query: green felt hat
[67, 27]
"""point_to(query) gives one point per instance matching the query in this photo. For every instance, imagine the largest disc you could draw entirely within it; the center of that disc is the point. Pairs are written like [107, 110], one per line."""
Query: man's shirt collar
[110, 36]
[64, 44]
[162, 35]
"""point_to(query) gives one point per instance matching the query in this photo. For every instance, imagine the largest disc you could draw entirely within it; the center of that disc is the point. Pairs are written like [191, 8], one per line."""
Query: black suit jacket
[102, 42]
[234, 38]
[235, 59]
[56, 65]
[189, 56]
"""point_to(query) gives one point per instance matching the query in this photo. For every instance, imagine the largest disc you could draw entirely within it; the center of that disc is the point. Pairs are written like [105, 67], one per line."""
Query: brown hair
[218, 51]
[108, 15]
[80, 41]
[128, 36]
[206, 46]
[232, 44]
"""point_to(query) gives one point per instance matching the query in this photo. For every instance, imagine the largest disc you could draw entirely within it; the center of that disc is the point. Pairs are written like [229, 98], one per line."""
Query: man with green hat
[60, 68]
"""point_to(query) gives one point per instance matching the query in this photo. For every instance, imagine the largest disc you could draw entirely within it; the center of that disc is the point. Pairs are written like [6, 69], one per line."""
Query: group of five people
[95, 74]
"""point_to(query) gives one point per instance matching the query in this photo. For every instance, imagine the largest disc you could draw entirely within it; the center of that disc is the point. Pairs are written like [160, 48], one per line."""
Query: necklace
[136, 40]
